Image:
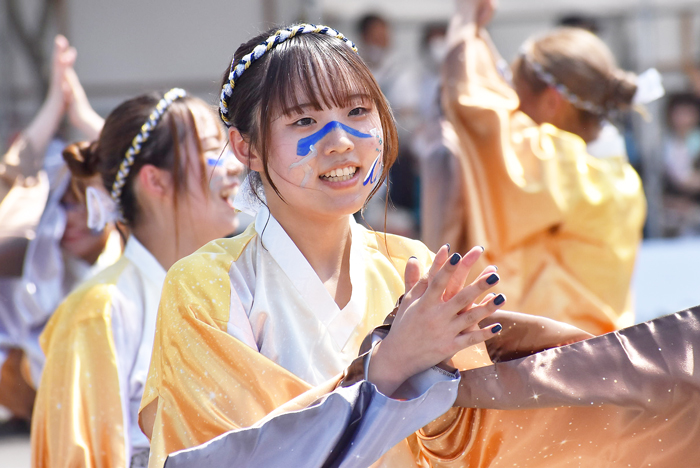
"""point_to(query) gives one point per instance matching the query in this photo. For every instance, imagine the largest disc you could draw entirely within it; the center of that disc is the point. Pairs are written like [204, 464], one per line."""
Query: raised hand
[485, 11]
[26, 156]
[62, 58]
[436, 319]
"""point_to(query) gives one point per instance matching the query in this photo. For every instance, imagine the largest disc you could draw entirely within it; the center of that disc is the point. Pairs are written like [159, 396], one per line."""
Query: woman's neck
[326, 246]
[164, 243]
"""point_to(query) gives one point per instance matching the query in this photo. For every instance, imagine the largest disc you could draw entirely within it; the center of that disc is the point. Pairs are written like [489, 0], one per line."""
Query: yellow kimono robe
[245, 325]
[562, 226]
[98, 348]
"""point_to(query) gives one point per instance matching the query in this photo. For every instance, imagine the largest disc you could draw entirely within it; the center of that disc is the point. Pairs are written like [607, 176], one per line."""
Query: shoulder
[88, 303]
[213, 258]
[200, 284]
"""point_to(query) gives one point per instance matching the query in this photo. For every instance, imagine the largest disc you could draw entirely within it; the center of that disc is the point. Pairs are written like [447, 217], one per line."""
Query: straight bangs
[318, 71]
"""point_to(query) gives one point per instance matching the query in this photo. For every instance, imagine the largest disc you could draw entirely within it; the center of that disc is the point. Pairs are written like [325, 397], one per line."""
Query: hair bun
[622, 87]
[81, 158]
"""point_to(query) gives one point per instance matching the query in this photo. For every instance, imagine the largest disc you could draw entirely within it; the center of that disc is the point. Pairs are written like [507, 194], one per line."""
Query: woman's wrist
[383, 372]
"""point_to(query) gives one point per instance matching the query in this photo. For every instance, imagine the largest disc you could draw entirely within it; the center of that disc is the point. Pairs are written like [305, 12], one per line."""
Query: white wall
[127, 47]
[131, 46]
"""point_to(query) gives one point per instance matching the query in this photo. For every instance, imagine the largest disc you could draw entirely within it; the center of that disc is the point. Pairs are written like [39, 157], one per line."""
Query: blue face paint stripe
[216, 162]
[371, 176]
[304, 145]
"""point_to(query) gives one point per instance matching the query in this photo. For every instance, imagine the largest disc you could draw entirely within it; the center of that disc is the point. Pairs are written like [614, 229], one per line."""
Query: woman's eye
[358, 111]
[304, 122]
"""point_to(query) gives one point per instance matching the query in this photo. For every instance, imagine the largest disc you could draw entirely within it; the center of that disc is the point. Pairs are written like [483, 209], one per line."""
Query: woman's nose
[337, 142]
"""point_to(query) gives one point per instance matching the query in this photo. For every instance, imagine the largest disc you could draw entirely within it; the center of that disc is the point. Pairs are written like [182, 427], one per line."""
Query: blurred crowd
[413, 91]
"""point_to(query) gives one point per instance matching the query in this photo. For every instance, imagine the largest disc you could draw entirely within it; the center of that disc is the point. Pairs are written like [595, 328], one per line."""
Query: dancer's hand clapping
[436, 319]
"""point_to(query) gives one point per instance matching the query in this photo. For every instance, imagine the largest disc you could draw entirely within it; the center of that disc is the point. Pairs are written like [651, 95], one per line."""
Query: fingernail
[481, 247]
[448, 246]
[500, 299]
[497, 328]
[495, 267]
[492, 279]
[413, 256]
[455, 258]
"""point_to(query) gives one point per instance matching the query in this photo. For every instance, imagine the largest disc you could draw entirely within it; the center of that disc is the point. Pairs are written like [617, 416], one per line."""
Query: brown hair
[308, 68]
[580, 61]
[163, 148]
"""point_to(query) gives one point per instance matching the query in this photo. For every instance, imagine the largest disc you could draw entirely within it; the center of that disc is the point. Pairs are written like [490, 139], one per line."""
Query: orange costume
[562, 226]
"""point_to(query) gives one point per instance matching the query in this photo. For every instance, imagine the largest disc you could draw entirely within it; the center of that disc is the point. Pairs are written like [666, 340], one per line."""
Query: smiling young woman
[167, 179]
[280, 311]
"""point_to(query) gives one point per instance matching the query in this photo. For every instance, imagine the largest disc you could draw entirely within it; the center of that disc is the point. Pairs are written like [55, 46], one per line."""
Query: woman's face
[325, 162]
[207, 210]
[78, 239]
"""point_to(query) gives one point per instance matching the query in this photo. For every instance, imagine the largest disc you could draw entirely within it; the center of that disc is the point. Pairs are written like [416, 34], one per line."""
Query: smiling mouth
[339, 175]
[229, 194]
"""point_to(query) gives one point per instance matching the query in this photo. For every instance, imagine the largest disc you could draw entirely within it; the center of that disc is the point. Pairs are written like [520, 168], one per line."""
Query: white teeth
[340, 175]
[230, 193]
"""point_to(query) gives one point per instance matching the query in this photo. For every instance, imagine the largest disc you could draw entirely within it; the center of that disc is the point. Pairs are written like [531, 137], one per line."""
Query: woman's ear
[241, 149]
[154, 181]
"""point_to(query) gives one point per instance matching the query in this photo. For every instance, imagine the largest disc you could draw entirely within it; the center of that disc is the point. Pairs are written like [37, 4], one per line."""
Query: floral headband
[279, 37]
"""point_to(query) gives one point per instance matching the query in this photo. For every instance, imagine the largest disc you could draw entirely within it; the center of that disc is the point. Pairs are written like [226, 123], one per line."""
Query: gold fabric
[78, 418]
[629, 398]
[204, 382]
[562, 226]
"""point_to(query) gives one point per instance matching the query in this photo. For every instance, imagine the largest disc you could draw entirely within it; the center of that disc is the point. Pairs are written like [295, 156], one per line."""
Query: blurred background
[129, 47]
[133, 46]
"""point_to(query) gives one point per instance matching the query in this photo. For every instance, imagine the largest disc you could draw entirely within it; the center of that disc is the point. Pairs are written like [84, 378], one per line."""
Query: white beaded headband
[260, 50]
[140, 139]
[548, 78]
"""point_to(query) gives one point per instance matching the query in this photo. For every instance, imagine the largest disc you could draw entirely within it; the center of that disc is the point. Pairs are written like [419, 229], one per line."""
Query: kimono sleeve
[499, 148]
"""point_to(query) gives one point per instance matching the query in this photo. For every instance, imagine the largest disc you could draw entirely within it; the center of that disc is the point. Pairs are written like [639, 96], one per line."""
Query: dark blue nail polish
[482, 249]
[492, 279]
[449, 247]
[497, 328]
[413, 256]
[500, 299]
[455, 258]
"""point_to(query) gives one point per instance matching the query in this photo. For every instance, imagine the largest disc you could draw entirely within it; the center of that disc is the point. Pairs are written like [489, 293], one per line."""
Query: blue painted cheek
[374, 171]
[304, 145]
